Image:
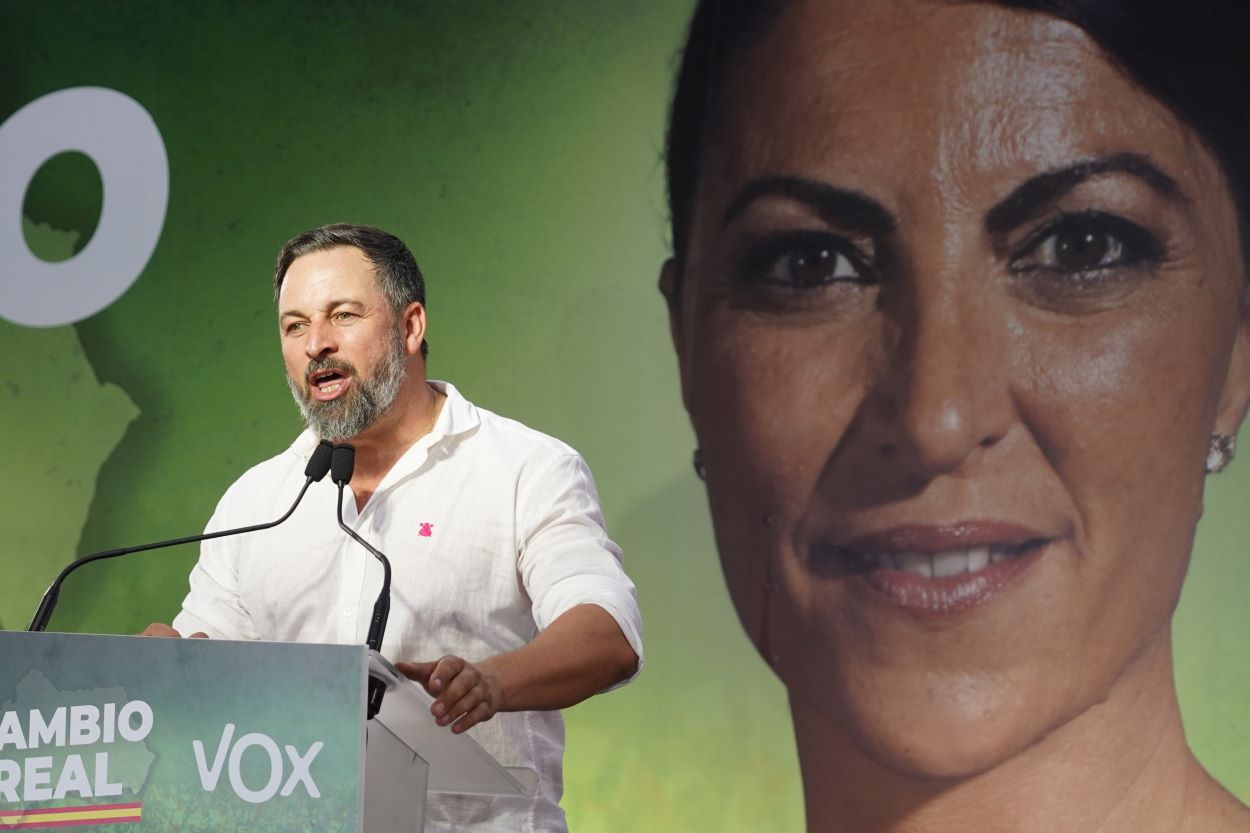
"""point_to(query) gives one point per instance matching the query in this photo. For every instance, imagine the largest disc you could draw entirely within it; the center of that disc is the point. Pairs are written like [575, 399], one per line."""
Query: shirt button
[347, 611]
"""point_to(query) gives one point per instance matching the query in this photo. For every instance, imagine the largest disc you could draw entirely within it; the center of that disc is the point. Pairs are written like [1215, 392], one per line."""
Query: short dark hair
[1191, 55]
[395, 269]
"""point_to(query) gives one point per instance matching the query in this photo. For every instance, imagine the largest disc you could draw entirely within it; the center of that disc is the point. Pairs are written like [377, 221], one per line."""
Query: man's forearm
[578, 655]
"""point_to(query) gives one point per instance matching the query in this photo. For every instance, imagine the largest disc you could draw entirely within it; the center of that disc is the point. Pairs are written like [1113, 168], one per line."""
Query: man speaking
[508, 598]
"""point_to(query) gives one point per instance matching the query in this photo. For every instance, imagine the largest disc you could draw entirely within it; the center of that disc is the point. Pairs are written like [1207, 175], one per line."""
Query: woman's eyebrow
[1034, 195]
[843, 207]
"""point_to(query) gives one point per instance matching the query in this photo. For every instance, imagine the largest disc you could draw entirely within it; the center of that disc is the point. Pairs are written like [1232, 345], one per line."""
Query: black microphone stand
[342, 464]
[316, 469]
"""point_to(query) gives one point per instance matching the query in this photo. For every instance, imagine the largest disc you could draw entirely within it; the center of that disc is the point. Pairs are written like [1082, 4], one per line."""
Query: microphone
[342, 464]
[318, 464]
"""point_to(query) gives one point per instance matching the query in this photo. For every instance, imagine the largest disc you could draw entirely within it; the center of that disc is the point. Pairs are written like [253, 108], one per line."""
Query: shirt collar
[458, 416]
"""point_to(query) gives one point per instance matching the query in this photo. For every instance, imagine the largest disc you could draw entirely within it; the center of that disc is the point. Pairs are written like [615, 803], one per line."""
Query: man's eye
[294, 327]
[1082, 245]
[804, 260]
[344, 316]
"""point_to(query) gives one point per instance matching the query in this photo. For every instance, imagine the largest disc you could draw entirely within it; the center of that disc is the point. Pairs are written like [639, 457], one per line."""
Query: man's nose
[320, 340]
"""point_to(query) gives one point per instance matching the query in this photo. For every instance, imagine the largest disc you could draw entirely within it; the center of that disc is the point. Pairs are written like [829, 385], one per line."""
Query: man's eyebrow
[843, 207]
[335, 304]
[1035, 194]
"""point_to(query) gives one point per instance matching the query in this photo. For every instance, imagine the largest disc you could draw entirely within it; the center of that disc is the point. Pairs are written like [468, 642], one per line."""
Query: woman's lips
[934, 570]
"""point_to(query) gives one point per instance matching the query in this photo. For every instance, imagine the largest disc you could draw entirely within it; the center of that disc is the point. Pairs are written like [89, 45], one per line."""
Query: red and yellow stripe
[70, 816]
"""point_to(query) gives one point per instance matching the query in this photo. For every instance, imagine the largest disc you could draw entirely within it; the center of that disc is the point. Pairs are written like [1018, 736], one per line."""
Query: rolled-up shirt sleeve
[565, 555]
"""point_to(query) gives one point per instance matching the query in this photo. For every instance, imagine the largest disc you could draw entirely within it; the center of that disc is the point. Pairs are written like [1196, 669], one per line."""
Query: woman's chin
[950, 730]
[941, 755]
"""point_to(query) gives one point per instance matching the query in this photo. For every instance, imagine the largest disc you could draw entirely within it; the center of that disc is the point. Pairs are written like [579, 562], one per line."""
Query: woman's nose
[943, 394]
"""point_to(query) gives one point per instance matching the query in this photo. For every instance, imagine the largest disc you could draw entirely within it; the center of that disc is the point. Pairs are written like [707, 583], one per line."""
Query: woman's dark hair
[1191, 55]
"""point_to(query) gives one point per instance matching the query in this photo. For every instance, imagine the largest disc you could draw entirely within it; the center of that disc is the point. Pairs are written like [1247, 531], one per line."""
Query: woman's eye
[1084, 244]
[1081, 250]
[804, 260]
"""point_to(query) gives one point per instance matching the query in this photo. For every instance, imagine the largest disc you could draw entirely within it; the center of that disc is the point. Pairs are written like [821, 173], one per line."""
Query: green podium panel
[121, 733]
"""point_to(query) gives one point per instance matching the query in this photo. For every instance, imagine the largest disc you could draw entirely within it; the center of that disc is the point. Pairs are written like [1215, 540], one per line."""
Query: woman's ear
[1235, 399]
[671, 290]
[670, 285]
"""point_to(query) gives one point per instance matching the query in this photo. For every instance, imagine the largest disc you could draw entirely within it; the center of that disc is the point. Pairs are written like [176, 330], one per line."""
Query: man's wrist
[499, 694]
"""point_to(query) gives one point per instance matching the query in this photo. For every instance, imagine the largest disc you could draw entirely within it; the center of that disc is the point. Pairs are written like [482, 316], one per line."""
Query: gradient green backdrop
[517, 148]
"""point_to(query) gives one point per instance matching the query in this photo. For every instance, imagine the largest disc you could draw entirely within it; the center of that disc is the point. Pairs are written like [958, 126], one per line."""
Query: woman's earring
[699, 469]
[1220, 452]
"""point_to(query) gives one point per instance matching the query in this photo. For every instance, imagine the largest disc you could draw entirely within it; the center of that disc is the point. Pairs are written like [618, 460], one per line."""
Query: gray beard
[343, 418]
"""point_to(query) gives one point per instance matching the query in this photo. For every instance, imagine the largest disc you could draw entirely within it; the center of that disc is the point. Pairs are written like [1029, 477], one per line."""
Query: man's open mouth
[326, 384]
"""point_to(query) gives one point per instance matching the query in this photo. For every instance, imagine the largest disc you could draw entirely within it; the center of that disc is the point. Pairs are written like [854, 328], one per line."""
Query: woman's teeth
[942, 564]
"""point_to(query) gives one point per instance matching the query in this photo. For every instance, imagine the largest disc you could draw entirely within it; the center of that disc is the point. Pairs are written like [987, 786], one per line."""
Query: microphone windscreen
[319, 462]
[342, 462]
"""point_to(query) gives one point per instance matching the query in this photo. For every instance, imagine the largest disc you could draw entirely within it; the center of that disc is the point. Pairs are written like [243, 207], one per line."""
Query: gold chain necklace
[437, 409]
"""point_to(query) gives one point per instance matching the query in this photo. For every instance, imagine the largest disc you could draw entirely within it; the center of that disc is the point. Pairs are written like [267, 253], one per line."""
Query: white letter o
[124, 143]
[236, 768]
[134, 734]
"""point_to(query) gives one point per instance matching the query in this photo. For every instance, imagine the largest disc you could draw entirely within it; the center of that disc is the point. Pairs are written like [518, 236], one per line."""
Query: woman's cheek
[1121, 413]
[779, 397]
[770, 405]
[1124, 403]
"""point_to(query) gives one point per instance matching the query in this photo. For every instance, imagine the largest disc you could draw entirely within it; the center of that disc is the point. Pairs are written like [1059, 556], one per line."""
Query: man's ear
[412, 323]
[1235, 399]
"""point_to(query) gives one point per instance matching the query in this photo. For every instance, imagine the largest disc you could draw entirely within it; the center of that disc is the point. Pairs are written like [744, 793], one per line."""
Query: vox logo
[229, 756]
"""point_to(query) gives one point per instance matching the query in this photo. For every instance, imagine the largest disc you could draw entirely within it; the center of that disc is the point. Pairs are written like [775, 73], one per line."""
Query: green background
[517, 148]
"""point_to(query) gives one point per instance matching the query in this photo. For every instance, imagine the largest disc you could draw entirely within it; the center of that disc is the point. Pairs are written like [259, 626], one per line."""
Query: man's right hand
[159, 629]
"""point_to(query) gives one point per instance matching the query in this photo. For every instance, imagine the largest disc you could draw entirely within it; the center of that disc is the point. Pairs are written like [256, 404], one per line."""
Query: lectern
[121, 733]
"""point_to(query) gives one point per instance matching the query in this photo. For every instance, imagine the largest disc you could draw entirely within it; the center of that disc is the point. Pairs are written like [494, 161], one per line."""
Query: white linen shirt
[492, 529]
